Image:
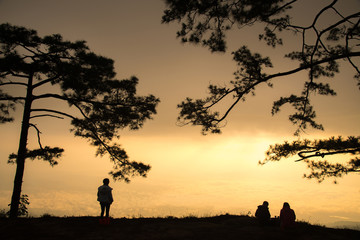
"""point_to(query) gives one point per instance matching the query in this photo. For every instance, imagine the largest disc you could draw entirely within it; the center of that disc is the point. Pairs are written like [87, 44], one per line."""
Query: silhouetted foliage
[321, 46]
[46, 154]
[51, 68]
[23, 210]
[307, 149]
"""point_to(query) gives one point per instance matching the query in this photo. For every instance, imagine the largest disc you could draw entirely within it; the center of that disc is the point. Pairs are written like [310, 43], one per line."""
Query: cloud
[340, 217]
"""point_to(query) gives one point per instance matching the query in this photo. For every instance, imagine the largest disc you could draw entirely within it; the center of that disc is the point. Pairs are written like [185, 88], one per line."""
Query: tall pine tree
[75, 75]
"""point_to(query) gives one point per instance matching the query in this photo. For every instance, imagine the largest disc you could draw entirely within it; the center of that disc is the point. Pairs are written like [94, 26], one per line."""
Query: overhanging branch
[318, 153]
[9, 98]
[282, 74]
[46, 115]
[14, 83]
[53, 111]
[77, 100]
[44, 82]
[98, 138]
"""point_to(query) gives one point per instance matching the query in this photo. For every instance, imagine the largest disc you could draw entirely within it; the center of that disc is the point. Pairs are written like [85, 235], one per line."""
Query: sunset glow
[191, 174]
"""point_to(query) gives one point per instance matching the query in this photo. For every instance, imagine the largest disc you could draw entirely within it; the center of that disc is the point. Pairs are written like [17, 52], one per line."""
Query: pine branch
[277, 75]
[323, 154]
[78, 100]
[10, 98]
[13, 83]
[38, 134]
[44, 82]
[46, 115]
[53, 111]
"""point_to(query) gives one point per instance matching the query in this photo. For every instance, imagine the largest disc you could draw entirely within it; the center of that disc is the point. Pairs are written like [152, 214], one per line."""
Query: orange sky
[191, 174]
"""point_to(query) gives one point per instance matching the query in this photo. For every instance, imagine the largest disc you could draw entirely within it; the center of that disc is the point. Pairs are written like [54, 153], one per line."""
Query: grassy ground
[219, 227]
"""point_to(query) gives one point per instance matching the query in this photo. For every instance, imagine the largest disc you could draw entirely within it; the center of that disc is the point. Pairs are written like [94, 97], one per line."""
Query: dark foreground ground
[220, 227]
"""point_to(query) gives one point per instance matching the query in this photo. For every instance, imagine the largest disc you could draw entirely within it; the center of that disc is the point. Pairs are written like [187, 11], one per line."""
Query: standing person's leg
[102, 209]
[107, 209]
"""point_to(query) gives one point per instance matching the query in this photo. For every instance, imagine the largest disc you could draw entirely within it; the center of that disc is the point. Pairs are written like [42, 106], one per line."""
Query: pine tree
[51, 68]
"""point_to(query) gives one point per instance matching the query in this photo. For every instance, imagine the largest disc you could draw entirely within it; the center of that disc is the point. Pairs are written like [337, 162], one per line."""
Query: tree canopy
[321, 47]
[51, 68]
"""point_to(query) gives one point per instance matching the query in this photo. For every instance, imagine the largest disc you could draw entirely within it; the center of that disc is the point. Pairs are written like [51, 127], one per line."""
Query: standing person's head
[106, 181]
[286, 205]
[265, 204]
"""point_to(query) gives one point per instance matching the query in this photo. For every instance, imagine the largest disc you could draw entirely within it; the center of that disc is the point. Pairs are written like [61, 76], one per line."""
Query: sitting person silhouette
[104, 196]
[262, 213]
[287, 216]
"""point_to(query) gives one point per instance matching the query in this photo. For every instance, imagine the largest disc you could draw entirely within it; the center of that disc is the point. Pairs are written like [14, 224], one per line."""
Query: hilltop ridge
[219, 227]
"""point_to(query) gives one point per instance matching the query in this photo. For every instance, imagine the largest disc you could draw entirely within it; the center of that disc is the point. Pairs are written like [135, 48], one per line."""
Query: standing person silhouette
[104, 196]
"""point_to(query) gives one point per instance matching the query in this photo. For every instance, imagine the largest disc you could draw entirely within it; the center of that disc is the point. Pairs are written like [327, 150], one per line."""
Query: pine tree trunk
[20, 161]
